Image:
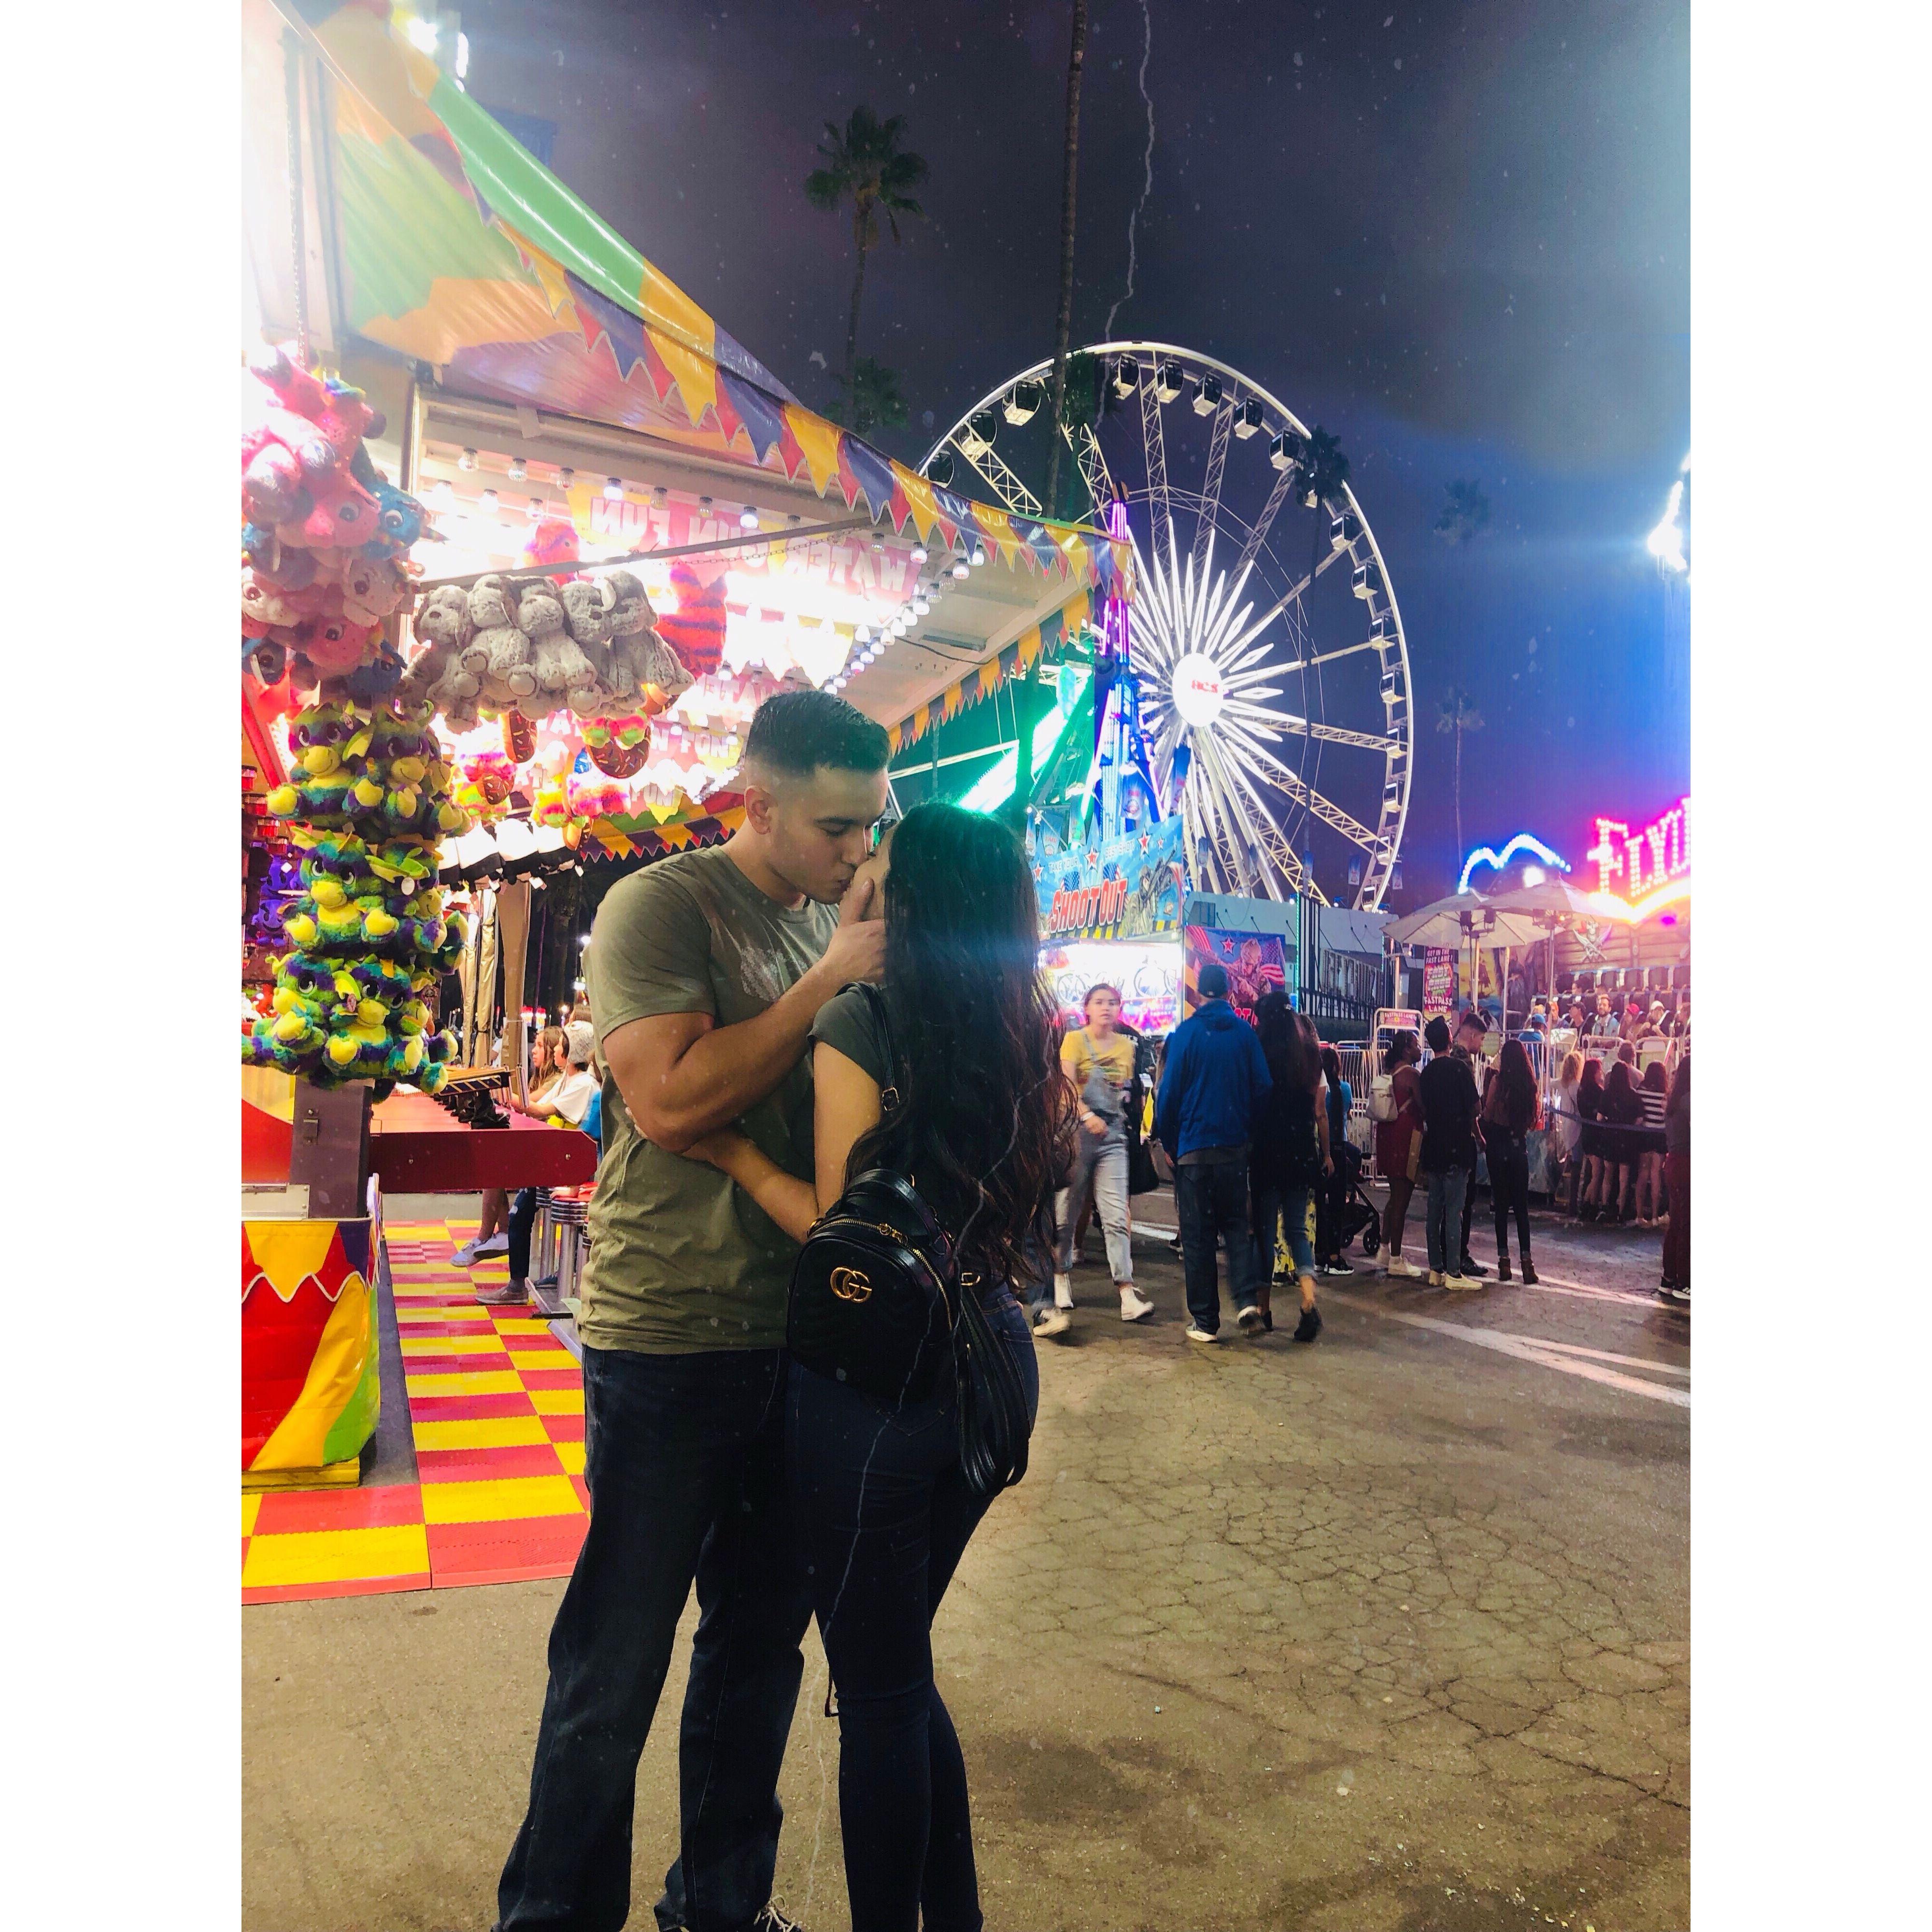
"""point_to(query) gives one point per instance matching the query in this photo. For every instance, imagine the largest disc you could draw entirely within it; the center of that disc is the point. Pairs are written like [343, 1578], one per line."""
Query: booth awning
[458, 248]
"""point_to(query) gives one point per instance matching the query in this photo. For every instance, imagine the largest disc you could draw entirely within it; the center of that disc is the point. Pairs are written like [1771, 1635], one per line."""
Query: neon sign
[1640, 872]
[1497, 861]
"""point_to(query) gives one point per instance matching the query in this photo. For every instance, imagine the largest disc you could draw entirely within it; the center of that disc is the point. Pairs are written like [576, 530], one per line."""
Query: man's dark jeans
[1212, 1199]
[682, 1456]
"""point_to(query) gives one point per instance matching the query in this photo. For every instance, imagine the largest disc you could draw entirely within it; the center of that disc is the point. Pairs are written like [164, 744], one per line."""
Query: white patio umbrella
[1551, 900]
[1466, 919]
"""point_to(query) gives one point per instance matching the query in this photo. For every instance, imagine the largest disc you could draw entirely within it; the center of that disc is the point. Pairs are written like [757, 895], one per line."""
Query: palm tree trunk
[852, 327]
[1459, 779]
[1064, 324]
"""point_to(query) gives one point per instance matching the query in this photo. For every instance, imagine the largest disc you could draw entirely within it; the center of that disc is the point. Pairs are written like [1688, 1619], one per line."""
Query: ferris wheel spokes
[1153, 445]
[1210, 490]
[1013, 494]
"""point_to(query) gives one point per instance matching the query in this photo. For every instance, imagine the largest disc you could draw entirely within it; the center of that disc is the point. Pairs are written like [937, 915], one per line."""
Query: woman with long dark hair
[984, 1124]
[1618, 1116]
[1510, 1110]
[1653, 1097]
[1289, 1158]
[1398, 1142]
[1590, 1134]
[1338, 1099]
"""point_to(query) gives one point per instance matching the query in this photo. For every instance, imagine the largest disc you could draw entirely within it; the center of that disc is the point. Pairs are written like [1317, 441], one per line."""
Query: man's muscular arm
[683, 1076]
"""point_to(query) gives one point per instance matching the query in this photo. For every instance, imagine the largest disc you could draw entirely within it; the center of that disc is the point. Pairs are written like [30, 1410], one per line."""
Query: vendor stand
[570, 460]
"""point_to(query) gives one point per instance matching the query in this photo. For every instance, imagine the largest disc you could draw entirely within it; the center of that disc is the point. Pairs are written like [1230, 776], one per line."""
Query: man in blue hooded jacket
[1211, 1091]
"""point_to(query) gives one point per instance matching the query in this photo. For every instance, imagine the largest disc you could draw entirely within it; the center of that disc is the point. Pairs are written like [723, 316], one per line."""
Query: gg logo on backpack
[850, 1284]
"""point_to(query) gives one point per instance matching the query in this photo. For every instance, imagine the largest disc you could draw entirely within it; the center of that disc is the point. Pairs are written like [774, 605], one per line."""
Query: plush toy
[520, 738]
[443, 618]
[371, 588]
[378, 674]
[266, 605]
[624, 730]
[617, 760]
[400, 521]
[647, 672]
[273, 490]
[695, 630]
[491, 775]
[630, 609]
[332, 647]
[341, 514]
[588, 607]
[591, 794]
[275, 562]
[562, 669]
[498, 653]
[437, 675]
[553, 540]
[268, 659]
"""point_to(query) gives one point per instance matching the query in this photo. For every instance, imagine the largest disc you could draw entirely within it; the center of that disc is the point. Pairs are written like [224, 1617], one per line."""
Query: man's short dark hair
[1212, 981]
[796, 731]
[1437, 1034]
[1472, 1021]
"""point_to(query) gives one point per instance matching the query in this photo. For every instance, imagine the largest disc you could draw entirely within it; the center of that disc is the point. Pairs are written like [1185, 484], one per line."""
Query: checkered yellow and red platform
[496, 1411]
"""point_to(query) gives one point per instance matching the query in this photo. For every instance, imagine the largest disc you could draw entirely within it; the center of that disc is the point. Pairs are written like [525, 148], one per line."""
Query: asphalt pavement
[1388, 1632]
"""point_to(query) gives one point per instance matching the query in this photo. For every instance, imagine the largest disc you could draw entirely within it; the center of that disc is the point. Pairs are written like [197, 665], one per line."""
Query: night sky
[1457, 236]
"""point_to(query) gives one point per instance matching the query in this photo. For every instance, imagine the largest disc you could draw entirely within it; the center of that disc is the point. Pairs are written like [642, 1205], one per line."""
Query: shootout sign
[1129, 888]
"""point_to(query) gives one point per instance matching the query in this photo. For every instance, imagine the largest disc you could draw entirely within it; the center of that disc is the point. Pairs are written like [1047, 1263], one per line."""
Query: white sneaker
[1052, 1321]
[1435, 1277]
[1195, 1334]
[471, 1252]
[1135, 1306]
[1402, 1268]
[1462, 1281]
[1062, 1291]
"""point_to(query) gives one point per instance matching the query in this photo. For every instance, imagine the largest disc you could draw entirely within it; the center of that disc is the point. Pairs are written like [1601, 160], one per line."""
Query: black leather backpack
[878, 1302]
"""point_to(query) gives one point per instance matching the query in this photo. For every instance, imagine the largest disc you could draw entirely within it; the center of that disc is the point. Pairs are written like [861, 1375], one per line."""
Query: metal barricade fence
[1356, 1061]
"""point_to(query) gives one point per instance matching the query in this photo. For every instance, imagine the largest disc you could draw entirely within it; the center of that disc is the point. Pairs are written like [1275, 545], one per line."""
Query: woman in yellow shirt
[1098, 1060]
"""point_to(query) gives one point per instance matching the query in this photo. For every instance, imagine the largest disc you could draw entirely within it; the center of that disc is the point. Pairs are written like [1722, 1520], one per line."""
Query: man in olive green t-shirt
[706, 971]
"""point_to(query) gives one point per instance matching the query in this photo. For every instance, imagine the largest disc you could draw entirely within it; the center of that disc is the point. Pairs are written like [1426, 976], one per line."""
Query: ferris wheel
[1265, 629]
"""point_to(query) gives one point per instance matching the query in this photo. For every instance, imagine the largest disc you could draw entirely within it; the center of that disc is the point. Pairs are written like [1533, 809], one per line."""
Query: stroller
[1356, 1213]
[1343, 1215]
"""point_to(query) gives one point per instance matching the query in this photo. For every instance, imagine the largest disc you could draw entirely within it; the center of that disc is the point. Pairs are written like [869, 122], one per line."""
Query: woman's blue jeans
[883, 1516]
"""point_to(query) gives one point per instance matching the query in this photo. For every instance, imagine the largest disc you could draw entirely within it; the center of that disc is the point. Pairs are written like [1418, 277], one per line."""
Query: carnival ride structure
[1270, 662]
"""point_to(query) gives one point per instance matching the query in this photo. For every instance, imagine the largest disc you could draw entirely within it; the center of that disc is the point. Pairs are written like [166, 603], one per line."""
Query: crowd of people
[778, 1020]
[1622, 1144]
[1626, 1016]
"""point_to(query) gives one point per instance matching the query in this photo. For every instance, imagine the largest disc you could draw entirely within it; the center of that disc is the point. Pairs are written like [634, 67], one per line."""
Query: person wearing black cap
[1211, 1091]
[1449, 1105]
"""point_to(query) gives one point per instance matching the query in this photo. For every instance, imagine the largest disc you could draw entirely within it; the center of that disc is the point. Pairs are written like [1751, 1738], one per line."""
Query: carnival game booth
[527, 538]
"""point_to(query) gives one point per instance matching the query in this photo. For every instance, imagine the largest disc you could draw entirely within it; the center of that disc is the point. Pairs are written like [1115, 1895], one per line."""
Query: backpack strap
[889, 1097]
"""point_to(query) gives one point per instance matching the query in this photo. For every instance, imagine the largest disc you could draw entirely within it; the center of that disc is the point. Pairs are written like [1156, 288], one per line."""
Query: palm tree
[1457, 715]
[871, 400]
[866, 165]
[1063, 321]
[1324, 468]
[1465, 515]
